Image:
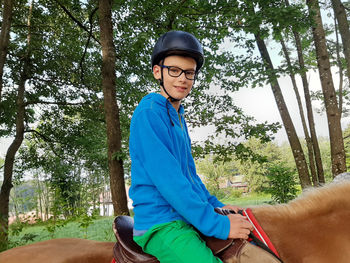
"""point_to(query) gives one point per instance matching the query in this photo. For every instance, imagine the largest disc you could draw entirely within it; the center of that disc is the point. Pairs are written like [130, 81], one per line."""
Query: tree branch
[86, 45]
[77, 21]
[55, 103]
[46, 139]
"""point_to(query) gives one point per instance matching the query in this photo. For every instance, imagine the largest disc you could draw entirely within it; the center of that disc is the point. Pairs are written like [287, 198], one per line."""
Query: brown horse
[315, 228]
[64, 250]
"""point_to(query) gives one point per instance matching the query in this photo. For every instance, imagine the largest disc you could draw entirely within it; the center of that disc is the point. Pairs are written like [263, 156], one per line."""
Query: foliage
[255, 172]
[22, 197]
[85, 220]
[231, 193]
[25, 239]
[65, 134]
[324, 144]
[346, 135]
[16, 228]
[100, 229]
[214, 173]
[282, 184]
[53, 224]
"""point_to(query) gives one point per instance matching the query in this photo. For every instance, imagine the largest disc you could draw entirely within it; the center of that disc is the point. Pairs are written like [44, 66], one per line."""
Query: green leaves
[282, 184]
[65, 125]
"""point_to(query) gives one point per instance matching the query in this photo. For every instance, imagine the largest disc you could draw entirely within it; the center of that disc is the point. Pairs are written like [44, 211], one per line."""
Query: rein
[258, 235]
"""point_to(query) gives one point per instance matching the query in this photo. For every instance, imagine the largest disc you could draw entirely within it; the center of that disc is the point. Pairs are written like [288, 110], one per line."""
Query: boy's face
[178, 87]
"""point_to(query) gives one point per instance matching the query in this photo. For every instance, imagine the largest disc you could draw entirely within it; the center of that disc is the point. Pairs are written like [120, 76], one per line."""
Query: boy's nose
[182, 76]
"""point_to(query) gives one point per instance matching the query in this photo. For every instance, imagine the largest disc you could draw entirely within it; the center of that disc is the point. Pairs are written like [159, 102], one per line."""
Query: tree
[310, 117]
[138, 30]
[282, 184]
[286, 156]
[254, 172]
[40, 68]
[330, 98]
[12, 150]
[287, 121]
[312, 143]
[66, 112]
[115, 160]
[302, 117]
[340, 14]
[5, 37]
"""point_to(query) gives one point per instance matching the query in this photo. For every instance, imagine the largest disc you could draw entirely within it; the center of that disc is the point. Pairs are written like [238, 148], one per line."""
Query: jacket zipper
[188, 169]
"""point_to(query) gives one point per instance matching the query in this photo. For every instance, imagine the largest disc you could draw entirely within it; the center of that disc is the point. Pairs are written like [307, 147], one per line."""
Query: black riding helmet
[178, 43]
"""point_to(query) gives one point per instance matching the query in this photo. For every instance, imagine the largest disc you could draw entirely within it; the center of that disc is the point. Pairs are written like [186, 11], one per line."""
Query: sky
[260, 103]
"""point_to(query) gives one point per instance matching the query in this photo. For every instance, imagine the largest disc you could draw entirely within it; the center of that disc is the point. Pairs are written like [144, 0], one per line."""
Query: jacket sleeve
[152, 145]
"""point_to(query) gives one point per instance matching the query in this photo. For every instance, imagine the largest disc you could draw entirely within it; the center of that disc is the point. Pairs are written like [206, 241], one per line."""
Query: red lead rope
[258, 231]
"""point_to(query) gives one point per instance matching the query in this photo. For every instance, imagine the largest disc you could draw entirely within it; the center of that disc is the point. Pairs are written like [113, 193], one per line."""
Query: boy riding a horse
[170, 201]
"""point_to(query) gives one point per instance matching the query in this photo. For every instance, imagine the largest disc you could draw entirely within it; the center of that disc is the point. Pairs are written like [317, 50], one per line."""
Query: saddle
[126, 250]
[230, 250]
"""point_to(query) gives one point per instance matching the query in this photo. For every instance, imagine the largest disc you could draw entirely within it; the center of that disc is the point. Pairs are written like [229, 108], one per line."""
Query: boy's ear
[157, 72]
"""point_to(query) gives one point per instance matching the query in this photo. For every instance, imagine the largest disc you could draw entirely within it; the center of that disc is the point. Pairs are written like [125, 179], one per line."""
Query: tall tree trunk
[115, 163]
[12, 150]
[287, 121]
[4, 37]
[344, 30]
[330, 98]
[340, 67]
[302, 117]
[310, 115]
[39, 200]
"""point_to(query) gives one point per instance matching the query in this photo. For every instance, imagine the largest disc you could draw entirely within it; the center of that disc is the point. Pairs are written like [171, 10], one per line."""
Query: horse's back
[65, 250]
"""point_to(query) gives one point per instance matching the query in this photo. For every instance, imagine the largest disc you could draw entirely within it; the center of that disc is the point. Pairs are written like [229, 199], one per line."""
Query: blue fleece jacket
[164, 184]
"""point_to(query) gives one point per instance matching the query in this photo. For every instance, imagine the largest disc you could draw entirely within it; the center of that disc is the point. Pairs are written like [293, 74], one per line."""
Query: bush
[282, 184]
[219, 193]
[232, 193]
[227, 193]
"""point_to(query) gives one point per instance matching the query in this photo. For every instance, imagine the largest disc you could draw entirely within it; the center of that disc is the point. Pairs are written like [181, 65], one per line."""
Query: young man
[169, 198]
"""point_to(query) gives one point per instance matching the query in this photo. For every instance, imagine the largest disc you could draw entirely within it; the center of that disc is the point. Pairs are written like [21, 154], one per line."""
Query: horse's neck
[315, 237]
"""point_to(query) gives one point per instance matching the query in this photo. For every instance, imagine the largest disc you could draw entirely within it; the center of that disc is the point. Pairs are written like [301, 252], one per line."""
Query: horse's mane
[313, 201]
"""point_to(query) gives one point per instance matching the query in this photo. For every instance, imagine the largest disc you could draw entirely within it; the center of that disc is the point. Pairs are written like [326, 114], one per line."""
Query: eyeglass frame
[182, 71]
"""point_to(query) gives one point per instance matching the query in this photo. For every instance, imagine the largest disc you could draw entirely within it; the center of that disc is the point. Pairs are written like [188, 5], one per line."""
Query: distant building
[236, 181]
[106, 204]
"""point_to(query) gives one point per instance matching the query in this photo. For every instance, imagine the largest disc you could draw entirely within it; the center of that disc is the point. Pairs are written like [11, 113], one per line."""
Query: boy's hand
[232, 207]
[240, 227]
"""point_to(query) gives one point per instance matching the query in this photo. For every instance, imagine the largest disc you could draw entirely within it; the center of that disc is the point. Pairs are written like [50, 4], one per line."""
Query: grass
[101, 229]
[248, 200]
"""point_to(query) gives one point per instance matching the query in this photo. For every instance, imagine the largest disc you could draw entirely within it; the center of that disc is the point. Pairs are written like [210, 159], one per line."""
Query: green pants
[175, 242]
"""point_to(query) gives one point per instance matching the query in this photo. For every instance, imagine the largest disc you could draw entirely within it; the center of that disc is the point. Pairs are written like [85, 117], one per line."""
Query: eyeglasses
[176, 72]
